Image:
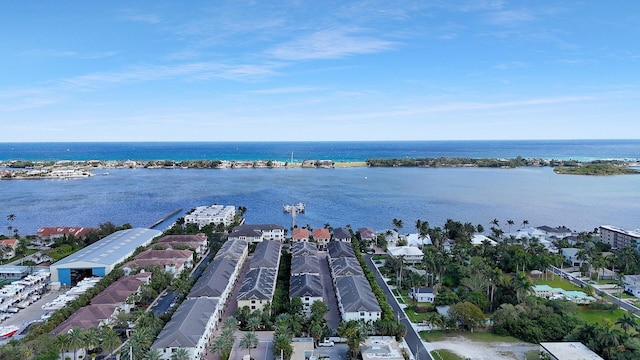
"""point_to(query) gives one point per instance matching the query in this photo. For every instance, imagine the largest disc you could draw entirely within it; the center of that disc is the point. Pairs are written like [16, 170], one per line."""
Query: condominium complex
[619, 238]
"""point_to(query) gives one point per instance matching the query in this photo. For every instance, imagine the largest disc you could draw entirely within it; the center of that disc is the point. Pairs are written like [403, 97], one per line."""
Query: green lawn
[597, 316]
[444, 354]
[414, 316]
[557, 282]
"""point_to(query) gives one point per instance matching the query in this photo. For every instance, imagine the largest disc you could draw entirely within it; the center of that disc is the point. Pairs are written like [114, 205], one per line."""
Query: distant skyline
[319, 70]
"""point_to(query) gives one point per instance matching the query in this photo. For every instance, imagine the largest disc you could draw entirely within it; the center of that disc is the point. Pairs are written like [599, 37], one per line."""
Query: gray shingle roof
[214, 279]
[305, 285]
[305, 265]
[339, 249]
[232, 249]
[346, 266]
[187, 325]
[258, 284]
[266, 255]
[341, 234]
[356, 294]
[304, 248]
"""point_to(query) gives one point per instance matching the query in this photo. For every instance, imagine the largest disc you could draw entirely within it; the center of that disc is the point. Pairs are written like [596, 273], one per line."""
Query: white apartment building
[214, 214]
[619, 238]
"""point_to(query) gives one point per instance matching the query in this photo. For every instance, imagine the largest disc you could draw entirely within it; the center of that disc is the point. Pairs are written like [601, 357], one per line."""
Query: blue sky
[318, 70]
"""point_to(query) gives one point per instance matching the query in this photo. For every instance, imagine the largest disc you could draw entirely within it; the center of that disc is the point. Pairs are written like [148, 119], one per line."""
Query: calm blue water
[338, 151]
[355, 196]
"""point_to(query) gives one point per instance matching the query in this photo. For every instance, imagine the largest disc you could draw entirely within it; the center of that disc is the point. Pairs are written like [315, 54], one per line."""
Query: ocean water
[357, 196]
[337, 151]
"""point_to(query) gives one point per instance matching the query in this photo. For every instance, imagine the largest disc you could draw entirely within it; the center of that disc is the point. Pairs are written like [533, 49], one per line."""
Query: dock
[165, 218]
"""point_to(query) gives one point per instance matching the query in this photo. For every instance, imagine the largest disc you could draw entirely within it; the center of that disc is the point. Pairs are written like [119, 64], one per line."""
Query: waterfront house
[46, 235]
[257, 232]
[214, 214]
[408, 254]
[322, 237]
[299, 235]
[367, 234]
[342, 234]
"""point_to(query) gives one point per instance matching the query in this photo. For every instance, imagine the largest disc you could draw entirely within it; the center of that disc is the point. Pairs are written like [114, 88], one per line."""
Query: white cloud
[332, 43]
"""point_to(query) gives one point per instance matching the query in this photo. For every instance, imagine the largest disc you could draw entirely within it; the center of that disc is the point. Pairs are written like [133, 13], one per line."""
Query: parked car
[326, 342]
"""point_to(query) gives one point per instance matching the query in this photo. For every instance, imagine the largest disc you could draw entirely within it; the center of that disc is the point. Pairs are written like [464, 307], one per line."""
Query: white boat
[297, 208]
[8, 331]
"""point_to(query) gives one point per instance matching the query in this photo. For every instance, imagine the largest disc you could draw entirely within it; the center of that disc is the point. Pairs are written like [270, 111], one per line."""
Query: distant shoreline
[28, 170]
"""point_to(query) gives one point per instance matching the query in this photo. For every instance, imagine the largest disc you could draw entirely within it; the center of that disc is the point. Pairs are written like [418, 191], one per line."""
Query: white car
[326, 342]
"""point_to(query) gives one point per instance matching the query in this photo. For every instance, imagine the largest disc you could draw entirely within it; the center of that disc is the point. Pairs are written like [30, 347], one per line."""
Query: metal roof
[338, 249]
[112, 249]
[346, 267]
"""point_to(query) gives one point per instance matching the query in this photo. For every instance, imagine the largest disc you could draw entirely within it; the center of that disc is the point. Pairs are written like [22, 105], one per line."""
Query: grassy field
[444, 354]
[414, 316]
[597, 316]
[557, 282]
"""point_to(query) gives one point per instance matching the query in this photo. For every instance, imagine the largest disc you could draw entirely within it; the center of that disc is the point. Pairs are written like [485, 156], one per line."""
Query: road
[579, 282]
[412, 338]
[329, 295]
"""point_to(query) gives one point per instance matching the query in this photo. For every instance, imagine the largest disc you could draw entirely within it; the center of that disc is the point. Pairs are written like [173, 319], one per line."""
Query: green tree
[153, 354]
[109, 340]
[627, 321]
[522, 286]
[91, 338]
[222, 346]
[467, 314]
[282, 346]
[249, 341]
[355, 333]
[76, 341]
[61, 343]
[181, 354]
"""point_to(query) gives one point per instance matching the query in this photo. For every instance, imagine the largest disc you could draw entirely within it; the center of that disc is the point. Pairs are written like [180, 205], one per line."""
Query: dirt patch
[479, 350]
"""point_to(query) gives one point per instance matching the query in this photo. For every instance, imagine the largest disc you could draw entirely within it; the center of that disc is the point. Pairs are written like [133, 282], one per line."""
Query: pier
[165, 218]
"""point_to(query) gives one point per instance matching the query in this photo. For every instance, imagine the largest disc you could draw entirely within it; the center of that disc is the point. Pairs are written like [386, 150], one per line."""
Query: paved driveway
[329, 294]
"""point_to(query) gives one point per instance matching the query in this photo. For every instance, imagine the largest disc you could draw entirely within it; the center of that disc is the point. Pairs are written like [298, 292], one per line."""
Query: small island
[595, 168]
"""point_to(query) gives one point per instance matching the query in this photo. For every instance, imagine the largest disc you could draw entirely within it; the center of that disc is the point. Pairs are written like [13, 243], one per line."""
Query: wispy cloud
[53, 53]
[510, 65]
[286, 90]
[330, 44]
[510, 17]
[187, 71]
[136, 16]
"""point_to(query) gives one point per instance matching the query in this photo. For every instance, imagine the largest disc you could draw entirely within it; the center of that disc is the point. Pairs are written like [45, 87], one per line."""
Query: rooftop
[214, 279]
[356, 294]
[266, 254]
[569, 351]
[187, 325]
[258, 284]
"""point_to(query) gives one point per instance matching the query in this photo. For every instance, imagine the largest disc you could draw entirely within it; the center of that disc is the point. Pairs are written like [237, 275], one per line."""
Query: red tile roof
[45, 232]
[9, 242]
[300, 233]
[321, 233]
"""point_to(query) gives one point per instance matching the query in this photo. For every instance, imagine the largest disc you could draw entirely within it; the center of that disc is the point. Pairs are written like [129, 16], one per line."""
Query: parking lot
[32, 312]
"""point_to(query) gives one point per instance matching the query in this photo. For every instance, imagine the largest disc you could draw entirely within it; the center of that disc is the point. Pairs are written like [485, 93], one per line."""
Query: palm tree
[627, 321]
[249, 341]
[525, 223]
[397, 223]
[61, 343]
[223, 344]
[522, 285]
[91, 338]
[510, 222]
[110, 340]
[181, 354]
[254, 322]
[230, 323]
[495, 222]
[76, 340]
[282, 345]
[154, 354]
[355, 334]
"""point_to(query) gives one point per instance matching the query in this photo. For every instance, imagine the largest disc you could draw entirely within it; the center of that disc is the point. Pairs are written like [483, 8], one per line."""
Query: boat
[8, 331]
[297, 208]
